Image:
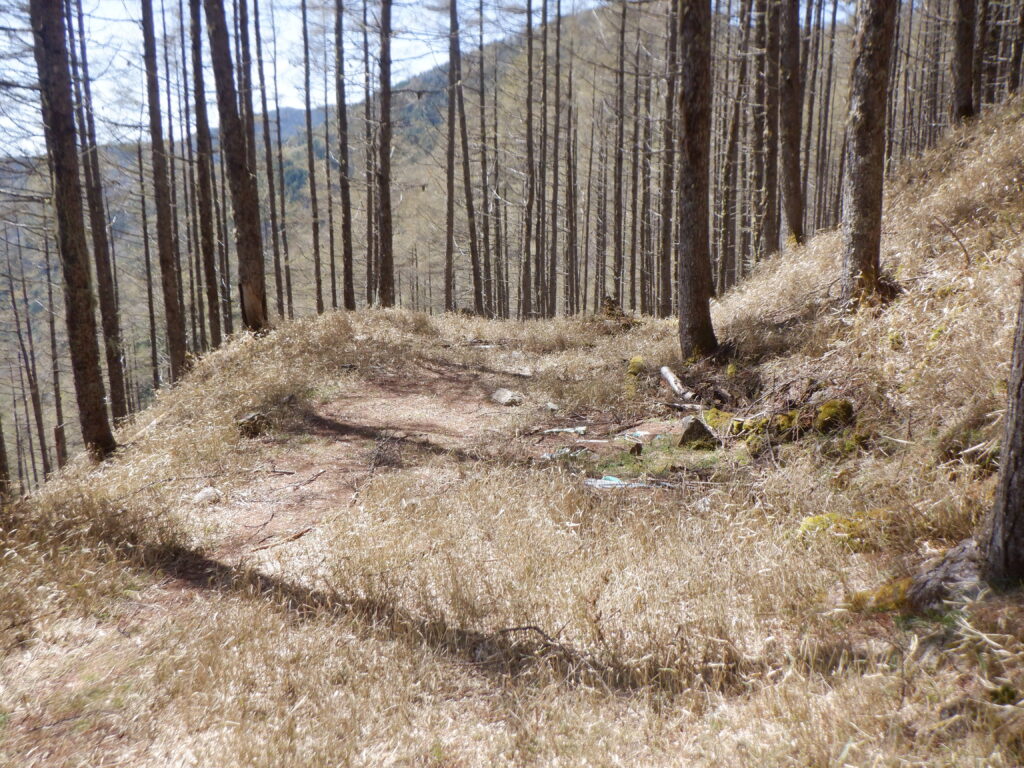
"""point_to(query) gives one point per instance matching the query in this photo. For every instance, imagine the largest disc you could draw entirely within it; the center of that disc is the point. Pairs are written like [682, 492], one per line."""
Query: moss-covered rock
[888, 597]
[832, 415]
[860, 530]
[717, 419]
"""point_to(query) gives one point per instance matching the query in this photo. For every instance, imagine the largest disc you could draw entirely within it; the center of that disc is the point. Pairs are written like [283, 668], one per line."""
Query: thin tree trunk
[59, 437]
[268, 157]
[27, 349]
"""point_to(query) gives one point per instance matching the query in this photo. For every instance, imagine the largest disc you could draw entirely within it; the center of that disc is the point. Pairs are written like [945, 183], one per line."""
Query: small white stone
[208, 496]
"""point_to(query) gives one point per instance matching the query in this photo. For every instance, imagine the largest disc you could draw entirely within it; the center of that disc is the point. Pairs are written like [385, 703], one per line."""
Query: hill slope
[397, 570]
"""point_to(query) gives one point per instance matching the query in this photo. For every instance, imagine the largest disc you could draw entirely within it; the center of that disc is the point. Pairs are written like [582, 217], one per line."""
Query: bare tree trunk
[526, 302]
[204, 154]
[387, 257]
[26, 348]
[269, 162]
[97, 219]
[865, 149]
[620, 149]
[668, 162]
[176, 340]
[287, 267]
[791, 117]
[963, 61]
[769, 215]
[1018, 50]
[51, 55]
[696, 335]
[347, 277]
[241, 176]
[59, 436]
[314, 209]
[1004, 553]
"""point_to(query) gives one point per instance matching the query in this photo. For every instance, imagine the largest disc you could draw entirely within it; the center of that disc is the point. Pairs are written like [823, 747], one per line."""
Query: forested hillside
[642, 385]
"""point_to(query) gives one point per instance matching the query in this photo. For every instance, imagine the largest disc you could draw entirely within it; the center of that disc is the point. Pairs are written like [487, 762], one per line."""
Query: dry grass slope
[463, 602]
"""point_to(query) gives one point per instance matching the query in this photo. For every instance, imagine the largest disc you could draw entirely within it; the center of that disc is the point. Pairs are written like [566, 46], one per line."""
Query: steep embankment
[389, 568]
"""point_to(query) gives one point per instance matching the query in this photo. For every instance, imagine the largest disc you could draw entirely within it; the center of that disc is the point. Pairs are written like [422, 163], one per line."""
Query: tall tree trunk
[347, 275]
[387, 257]
[59, 435]
[26, 347]
[169, 273]
[963, 60]
[668, 162]
[449, 180]
[526, 302]
[241, 176]
[204, 156]
[286, 254]
[865, 149]
[620, 126]
[696, 335]
[552, 260]
[51, 55]
[791, 117]
[314, 209]
[769, 214]
[268, 158]
[109, 320]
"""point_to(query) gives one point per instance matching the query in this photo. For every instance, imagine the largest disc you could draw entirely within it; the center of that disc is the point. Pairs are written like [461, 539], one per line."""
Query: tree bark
[963, 60]
[865, 149]
[1004, 553]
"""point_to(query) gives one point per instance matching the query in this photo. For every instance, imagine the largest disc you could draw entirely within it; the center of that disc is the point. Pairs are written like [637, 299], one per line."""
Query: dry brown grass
[475, 607]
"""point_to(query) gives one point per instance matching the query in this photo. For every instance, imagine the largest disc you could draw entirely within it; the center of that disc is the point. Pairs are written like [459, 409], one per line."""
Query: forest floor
[386, 567]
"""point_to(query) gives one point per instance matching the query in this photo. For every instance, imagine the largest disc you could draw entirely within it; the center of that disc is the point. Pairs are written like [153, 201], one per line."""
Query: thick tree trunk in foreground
[1004, 554]
[241, 177]
[696, 335]
[865, 149]
[51, 54]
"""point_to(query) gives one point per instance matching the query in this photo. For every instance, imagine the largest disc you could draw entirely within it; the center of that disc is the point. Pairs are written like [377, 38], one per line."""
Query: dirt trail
[390, 420]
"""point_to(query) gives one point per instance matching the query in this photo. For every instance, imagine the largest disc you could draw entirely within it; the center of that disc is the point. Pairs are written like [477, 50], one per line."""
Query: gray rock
[507, 397]
[955, 576]
[696, 435]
